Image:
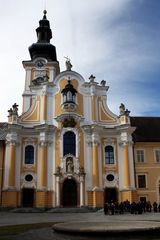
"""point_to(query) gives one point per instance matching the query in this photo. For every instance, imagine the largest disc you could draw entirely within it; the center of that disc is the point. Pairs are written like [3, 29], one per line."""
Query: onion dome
[43, 47]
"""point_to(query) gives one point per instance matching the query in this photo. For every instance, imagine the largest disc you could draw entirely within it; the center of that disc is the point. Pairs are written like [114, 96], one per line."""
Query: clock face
[40, 64]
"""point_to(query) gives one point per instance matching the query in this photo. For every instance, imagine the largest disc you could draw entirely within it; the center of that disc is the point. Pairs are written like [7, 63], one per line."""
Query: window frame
[155, 156]
[75, 150]
[114, 159]
[24, 154]
[138, 155]
[146, 181]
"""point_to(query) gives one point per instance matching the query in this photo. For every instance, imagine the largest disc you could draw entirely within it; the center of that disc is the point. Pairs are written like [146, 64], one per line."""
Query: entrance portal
[27, 197]
[110, 195]
[69, 193]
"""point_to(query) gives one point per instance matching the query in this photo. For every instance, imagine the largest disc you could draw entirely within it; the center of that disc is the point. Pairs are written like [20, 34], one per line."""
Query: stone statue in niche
[69, 122]
[69, 165]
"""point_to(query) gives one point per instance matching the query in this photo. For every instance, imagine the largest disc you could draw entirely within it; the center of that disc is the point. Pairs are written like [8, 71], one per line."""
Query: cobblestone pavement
[10, 218]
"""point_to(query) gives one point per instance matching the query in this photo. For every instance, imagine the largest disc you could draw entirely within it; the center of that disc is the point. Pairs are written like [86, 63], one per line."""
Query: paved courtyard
[12, 218]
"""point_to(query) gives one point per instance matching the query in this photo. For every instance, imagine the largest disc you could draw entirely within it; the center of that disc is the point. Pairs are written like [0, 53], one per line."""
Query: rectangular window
[141, 181]
[140, 156]
[157, 155]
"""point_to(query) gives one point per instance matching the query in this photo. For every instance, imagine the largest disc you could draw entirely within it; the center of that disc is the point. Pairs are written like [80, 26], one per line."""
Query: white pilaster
[57, 191]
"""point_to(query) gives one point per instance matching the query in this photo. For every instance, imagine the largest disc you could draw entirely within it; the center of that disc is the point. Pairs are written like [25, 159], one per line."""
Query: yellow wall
[150, 168]
[57, 148]
[34, 166]
[10, 199]
[1, 165]
[43, 199]
[58, 98]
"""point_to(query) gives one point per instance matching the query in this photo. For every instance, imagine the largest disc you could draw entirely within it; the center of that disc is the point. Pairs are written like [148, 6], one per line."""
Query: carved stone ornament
[123, 111]
[69, 122]
[81, 170]
[13, 111]
[40, 80]
[69, 165]
[91, 78]
[58, 171]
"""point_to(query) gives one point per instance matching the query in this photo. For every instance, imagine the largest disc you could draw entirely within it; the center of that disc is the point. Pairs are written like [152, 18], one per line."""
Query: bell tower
[43, 67]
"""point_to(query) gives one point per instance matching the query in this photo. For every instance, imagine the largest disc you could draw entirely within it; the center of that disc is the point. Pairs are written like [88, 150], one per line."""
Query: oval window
[110, 177]
[28, 177]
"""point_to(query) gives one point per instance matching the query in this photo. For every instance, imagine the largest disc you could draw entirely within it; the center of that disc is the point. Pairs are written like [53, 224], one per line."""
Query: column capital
[125, 143]
[95, 138]
[12, 139]
[45, 139]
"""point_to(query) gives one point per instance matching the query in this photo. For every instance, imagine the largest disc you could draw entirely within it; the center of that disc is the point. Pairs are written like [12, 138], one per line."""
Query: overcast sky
[115, 40]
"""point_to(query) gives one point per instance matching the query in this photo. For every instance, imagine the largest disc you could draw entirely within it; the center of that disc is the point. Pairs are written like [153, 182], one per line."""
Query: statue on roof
[91, 78]
[123, 110]
[68, 64]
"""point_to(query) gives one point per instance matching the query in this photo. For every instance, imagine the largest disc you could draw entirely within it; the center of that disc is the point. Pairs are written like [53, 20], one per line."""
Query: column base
[95, 199]
[10, 199]
[129, 195]
[43, 199]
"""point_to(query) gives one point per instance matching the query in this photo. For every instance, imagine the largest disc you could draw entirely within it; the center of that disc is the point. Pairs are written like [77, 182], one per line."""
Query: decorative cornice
[65, 115]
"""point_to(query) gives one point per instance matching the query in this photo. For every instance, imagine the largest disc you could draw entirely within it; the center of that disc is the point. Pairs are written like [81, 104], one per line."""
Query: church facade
[67, 149]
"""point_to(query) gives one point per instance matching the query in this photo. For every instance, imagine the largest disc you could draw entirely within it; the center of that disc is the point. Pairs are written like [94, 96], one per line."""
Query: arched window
[109, 155]
[69, 143]
[69, 97]
[29, 154]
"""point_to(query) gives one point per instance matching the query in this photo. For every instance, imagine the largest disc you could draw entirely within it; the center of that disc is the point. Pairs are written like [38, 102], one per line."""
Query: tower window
[69, 143]
[29, 154]
[109, 155]
[69, 93]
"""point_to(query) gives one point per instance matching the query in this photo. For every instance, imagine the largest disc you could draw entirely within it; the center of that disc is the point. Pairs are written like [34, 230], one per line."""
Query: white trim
[50, 166]
[71, 75]
[88, 163]
[120, 166]
[155, 159]
[100, 166]
[87, 109]
[34, 160]
[136, 158]
[114, 152]
[18, 166]
[146, 180]
[6, 167]
[75, 131]
[131, 166]
[30, 184]
[113, 183]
